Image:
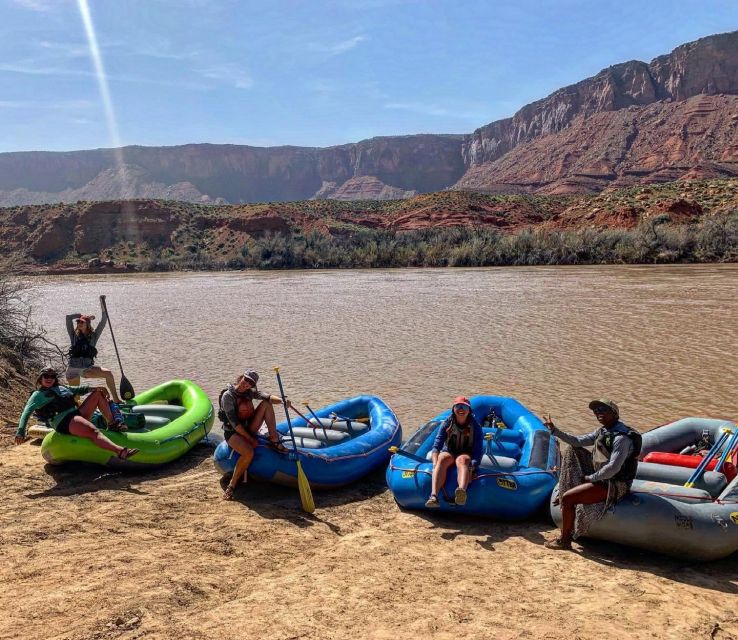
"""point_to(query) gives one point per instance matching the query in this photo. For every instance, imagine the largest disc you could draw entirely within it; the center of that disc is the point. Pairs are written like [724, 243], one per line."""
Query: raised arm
[70, 324]
[103, 322]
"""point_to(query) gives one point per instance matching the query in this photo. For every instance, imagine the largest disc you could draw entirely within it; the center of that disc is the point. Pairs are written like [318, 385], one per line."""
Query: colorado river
[660, 341]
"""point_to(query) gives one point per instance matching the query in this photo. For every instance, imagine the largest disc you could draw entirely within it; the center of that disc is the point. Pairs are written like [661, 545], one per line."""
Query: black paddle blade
[126, 389]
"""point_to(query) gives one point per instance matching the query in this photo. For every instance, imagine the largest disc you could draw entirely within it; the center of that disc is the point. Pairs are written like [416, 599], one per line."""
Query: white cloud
[338, 48]
[438, 110]
[229, 73]
[36, 5]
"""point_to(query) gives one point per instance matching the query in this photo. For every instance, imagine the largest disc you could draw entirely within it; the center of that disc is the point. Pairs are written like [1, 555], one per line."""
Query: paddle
[697, 473]
[729, 446]
[407, 454]
[306, 495]
[126, 388]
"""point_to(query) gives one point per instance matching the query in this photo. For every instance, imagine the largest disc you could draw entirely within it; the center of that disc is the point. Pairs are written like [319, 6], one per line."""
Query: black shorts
[456, 454]
[63, 426]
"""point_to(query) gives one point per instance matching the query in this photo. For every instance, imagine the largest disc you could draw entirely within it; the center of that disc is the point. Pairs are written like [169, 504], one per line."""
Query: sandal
[460, 496]
[278, 446]
[558, 544]
[126, 453]
[432, 502]
[120, 427]
[228, 493]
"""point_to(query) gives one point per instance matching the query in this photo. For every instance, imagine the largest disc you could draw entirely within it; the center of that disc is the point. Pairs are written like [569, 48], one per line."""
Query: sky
[309, 72]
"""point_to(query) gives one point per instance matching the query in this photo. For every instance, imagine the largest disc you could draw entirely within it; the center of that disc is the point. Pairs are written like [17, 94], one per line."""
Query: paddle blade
[126, 389]
[306, 494]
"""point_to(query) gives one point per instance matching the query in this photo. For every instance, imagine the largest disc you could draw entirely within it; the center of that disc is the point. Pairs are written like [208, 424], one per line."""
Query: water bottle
[117, 413]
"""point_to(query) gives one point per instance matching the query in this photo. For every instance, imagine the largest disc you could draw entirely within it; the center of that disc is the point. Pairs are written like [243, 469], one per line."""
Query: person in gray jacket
[83, 350]
[242, 421]
[591, 482]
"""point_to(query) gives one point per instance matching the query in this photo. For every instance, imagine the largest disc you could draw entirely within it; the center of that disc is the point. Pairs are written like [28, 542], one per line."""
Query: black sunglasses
[461, 407]
[48, 376]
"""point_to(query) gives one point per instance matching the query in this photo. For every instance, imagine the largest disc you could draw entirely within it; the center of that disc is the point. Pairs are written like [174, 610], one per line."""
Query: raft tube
[515, 477]
[330, 458]
[667, 517]
[178, 415]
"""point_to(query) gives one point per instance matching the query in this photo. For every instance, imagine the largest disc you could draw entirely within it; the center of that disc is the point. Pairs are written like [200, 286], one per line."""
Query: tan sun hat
[606, 403]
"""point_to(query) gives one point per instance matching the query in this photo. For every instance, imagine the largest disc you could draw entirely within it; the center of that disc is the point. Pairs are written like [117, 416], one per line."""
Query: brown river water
[659, 340]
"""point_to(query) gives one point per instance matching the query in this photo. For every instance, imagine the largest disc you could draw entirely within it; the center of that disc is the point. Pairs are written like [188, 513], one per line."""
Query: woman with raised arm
[82, 352]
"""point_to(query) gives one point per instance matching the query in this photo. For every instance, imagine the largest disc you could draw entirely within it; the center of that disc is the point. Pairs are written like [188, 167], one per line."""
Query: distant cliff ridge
[675, 118]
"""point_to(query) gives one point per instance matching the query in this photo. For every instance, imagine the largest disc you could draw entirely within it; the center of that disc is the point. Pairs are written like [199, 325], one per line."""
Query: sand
[90, 554]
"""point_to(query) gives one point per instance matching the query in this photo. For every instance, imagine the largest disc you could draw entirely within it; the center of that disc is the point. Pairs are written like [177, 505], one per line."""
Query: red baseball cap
[462, 400]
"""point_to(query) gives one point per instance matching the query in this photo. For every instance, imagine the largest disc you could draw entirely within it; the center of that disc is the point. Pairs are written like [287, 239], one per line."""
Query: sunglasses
[461, 407]
[601, 410]
[49, 376]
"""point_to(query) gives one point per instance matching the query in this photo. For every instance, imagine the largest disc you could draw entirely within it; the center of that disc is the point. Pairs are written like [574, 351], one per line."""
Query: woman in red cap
[242, 421]
[82, 352]
[459, 441]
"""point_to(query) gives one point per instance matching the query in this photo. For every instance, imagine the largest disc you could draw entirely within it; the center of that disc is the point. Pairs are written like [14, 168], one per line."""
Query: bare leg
[445, 460]
[83, 428]
[104, 374]
[586, 493]
[264, 413]
[462, 470]
[238, 443]
[96, 400]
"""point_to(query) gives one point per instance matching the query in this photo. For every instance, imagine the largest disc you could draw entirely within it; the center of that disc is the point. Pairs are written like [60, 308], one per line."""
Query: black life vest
[606, 441]
[61, 399]
[222, 415]
[82, 347]
[459, 439]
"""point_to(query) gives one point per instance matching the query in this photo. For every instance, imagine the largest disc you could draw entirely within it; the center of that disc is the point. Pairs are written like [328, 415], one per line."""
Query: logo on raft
[408, 474]
[507, 483]
[734, 517]
[684, 522]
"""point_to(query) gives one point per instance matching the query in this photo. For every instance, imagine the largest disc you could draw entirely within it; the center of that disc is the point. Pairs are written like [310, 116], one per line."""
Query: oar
[126, 388]
[306, 495]
[697, 473]
[312, 413]
[407, 454]
[730, 445]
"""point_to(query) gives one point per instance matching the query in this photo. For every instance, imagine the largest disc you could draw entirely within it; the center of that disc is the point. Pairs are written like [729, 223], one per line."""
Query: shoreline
[160, 555]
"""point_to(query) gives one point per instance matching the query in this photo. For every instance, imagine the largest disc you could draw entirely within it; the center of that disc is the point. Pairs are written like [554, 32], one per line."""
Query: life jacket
[603, 450]
[460, 439]
[61, 400]
[82, 347]
[244, 408]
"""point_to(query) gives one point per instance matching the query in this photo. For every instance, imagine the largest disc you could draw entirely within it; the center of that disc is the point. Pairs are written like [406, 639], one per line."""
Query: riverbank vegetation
[23, 345]
[654, 241]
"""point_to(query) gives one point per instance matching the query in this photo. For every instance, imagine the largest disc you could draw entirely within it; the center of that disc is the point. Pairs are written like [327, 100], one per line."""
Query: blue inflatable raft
[516, 474]
[351, 439]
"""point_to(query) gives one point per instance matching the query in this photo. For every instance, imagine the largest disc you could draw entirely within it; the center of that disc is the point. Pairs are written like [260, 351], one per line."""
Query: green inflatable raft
[176, 416]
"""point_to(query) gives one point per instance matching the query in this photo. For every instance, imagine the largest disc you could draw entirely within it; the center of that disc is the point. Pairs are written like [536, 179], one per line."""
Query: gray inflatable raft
[660, 514]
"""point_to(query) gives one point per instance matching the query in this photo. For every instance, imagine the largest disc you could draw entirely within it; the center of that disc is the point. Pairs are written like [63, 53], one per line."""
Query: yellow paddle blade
[306, 495]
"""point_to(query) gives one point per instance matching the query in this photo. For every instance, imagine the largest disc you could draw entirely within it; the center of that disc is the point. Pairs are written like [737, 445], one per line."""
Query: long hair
[88, 324]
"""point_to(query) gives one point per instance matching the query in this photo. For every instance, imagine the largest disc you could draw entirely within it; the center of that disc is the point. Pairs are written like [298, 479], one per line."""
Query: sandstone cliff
[675, 117]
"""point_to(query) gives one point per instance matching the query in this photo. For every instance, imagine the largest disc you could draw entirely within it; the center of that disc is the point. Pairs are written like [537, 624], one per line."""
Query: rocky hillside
[673, 118]
[373, 169]
[129, 235]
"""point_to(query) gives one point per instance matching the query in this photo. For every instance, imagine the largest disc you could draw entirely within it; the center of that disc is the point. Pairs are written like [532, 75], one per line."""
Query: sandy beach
[92, 554]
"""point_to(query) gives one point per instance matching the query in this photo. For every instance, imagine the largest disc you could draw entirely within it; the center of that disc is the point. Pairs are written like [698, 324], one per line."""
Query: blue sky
[311, 72]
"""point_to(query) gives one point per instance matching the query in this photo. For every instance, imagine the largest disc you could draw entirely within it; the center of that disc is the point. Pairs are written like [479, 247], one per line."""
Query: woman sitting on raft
[241, 422]
[459, 441]
[597, 479]
[82, 352]
[54, 403]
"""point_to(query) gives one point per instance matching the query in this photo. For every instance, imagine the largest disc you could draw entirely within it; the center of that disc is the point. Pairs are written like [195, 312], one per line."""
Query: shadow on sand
[273, 501]
[77, 478]
[718, 575]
